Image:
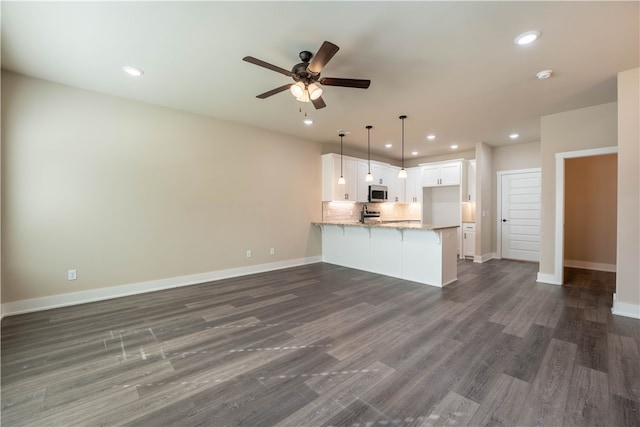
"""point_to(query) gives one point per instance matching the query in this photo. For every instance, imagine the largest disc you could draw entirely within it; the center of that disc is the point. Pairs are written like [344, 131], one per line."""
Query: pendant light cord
[341, 136]
[369, 145]
[402, 118]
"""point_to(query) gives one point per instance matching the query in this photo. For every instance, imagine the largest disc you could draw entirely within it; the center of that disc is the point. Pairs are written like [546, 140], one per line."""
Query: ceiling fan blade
[333, 81]
[271, 67]
[324, 54]
[274, 91]
[318, 103]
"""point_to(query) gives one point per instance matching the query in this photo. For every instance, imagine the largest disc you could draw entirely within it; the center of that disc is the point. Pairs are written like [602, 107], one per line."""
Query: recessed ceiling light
[414, 153]
[133, 71]
[308, 122]
[514, 136]
[388, 145]
[454, 146]
[544, 74]
[431, 137]
[528, 37]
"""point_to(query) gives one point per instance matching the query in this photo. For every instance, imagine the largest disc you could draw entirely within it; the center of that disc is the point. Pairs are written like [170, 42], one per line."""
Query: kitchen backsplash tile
[350, 211]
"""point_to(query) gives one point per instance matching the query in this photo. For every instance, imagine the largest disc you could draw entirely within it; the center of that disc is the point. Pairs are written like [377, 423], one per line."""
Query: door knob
[504, 220]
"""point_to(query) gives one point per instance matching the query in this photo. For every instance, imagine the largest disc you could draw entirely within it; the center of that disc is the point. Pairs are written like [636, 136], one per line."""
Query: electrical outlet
[272, 251]
[72, 275]
[248, 253]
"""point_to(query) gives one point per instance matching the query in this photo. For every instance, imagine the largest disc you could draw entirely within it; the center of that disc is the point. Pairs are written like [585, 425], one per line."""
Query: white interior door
[520, 216]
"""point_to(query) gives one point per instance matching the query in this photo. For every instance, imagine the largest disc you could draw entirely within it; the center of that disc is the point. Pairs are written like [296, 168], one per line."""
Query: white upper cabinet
[363, 186]
[356, 188]
[379, 172]
[438, 174]
[394, 184]
[332, 168]
[384, 174]
[413, 186]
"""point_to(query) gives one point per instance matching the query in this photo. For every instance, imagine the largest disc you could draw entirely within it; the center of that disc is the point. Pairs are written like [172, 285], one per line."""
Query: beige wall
[127, 192]
[590, 211]
[628, 268]
[582, 129]
[516, 156]
[525, 155]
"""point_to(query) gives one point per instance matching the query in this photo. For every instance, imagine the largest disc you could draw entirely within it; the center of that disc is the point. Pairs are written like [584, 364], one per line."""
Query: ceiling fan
[307, 74]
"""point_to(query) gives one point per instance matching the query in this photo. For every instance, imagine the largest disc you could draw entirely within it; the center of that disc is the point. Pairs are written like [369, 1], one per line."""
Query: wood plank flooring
[323, 345]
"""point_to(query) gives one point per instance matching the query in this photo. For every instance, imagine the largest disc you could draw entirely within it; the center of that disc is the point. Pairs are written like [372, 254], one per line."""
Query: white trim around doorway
[557, 277]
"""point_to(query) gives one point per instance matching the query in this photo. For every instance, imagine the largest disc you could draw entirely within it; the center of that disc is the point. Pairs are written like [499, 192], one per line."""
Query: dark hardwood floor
[324, 345]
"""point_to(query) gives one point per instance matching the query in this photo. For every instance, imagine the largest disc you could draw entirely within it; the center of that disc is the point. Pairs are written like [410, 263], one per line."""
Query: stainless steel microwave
[378, 193]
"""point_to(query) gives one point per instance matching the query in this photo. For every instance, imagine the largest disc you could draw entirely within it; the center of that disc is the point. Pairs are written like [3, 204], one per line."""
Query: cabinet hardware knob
[504, 220]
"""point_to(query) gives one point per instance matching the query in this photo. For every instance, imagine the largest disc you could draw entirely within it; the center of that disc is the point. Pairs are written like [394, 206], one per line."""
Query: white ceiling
[451, 67]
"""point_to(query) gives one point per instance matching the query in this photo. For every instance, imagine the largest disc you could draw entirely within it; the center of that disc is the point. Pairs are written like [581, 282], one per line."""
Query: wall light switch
[272, 251]
[249, 253]
[72, 275]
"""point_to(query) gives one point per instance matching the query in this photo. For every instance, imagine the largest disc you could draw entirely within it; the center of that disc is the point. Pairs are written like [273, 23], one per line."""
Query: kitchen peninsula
[412, 251]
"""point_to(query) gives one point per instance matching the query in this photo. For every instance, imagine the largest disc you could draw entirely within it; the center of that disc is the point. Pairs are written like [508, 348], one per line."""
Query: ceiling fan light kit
[297, 90]
[314, 91]
[307, 75]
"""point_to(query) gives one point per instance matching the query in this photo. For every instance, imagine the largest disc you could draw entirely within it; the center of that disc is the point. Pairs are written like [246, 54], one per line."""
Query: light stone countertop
[400, 225]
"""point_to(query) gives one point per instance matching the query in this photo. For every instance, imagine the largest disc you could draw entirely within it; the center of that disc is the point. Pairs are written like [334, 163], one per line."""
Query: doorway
[590, 212]
[518, 226]
[558, 276]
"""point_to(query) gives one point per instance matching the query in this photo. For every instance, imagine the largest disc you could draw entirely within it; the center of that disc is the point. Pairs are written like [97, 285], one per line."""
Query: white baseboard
[63, 300]
[548, 278]
[449, 282]
[485, 257]
[624, 309]
[598, 266]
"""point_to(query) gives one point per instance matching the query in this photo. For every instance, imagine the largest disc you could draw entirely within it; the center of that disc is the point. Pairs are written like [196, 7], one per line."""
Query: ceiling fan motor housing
[301, 72]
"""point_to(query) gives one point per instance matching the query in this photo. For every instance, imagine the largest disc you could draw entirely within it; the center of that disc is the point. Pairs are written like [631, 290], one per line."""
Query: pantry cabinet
[471, 181]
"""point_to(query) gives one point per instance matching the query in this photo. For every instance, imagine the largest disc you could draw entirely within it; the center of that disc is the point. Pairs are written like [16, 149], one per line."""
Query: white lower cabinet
[419, 255]
[468, 239]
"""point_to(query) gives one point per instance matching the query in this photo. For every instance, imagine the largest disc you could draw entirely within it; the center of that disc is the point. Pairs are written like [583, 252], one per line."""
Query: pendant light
[402, 173]
[369, 177]
[341, 179]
